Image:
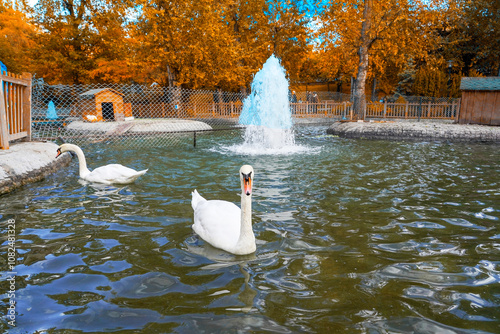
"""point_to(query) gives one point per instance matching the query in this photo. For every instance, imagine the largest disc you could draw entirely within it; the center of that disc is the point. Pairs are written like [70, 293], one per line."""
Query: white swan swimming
[109, 174]
[222, 224]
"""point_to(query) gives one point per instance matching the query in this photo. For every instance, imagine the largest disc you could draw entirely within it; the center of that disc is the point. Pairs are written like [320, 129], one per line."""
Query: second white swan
[109, 174]
[223, 224]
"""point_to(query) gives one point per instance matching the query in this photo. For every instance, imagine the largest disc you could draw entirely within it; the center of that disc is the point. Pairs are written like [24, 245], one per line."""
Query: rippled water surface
[353, 236]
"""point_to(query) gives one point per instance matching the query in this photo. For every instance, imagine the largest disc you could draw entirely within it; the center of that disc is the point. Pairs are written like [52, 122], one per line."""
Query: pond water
[353, 236]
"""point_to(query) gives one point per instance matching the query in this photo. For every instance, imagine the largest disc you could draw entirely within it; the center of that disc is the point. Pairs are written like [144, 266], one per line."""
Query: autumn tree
[188, 43]
[289, 36]
[470, 36]
[78, 36]
[216, 44]
[361, 31]
[16, 36]
[434, 81]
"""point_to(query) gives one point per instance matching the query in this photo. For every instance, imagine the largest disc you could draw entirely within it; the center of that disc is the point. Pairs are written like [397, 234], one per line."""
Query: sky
[306, 6]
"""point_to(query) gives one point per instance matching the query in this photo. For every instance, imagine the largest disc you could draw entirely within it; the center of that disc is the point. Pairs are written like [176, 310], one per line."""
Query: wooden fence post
[27, 105]
[4, 132]
[457, 111]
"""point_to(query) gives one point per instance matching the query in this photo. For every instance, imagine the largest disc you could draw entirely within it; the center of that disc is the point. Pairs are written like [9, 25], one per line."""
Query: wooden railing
[15, 108]
[343, 110]
[187, 110]
[425, 110]
[324, 109]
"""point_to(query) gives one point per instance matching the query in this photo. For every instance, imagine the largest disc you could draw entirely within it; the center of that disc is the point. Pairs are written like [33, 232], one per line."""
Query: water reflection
[357, 236]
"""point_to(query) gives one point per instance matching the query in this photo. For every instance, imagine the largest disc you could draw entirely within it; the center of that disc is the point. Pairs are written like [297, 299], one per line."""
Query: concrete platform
[139, 126]
[27, 162]
[412, 130]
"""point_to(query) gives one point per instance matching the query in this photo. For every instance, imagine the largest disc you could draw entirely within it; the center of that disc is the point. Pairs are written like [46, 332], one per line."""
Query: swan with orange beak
[223, 224]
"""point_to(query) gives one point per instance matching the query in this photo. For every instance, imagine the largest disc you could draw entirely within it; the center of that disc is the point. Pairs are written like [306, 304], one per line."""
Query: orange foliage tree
[17, 36]
[366, 37]
[222, 44]
[470, 33]
[81, 41]
[216, 44]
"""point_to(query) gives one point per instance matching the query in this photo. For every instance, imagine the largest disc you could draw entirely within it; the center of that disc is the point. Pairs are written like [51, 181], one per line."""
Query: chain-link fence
[158, 115]
[135, 113]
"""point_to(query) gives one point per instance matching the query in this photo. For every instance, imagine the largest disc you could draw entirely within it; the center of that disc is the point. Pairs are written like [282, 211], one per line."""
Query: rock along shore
[401, 130]
[27, 162]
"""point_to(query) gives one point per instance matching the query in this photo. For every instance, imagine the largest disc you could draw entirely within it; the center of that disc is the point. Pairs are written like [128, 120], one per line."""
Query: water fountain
[51, 111]
[266, 113]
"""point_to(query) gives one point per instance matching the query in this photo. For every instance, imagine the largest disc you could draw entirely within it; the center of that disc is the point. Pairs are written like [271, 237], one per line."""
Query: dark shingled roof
[487, 83]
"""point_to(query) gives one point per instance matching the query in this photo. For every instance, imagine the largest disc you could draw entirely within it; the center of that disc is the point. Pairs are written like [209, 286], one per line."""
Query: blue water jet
[51, 111]
[268, 104]
[266, 111]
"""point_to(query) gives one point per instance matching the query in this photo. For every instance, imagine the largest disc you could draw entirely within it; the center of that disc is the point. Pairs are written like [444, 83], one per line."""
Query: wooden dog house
[104, 104]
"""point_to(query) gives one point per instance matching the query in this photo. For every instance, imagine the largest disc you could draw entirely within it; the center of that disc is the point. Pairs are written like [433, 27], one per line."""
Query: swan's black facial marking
[246, 176]
[58, 152]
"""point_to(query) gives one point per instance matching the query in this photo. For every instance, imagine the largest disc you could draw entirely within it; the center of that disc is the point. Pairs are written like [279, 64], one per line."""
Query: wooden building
[480, 101]
[104, 104]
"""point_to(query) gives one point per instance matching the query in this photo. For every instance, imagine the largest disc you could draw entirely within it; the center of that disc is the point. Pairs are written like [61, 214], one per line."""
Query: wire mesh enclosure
[138, 114]
[135, 113]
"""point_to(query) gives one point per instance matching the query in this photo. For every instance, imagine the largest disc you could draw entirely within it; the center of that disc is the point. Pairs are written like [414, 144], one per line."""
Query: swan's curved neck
[81, 160]
[246, 231]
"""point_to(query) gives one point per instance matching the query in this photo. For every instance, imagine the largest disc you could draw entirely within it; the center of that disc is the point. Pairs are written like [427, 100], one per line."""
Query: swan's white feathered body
[223, 224]
[109, 174]
[113, 174]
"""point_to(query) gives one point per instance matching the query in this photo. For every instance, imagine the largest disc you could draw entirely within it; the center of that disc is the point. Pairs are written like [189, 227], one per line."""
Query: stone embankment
[400, 130]
[28, 162]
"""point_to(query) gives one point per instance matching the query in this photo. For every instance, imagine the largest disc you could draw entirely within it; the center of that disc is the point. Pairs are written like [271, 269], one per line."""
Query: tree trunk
[359, 96]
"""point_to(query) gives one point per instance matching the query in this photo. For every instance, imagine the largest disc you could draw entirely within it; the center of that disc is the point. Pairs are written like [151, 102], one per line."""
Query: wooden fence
[187, 110]
[324, 109]
[343, 110]
[426, 110]
[15, 108]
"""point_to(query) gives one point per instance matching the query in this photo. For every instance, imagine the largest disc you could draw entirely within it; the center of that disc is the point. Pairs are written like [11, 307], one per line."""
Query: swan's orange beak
[247, 183]
[247, 186]
[58, 152]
